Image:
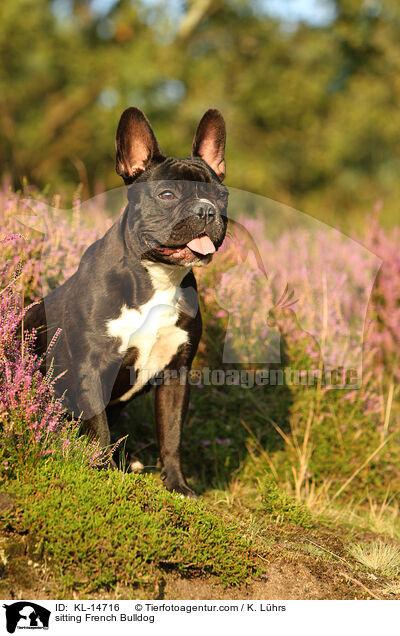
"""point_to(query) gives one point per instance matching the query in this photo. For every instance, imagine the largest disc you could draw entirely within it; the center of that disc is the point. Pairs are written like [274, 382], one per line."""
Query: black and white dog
[130, 311]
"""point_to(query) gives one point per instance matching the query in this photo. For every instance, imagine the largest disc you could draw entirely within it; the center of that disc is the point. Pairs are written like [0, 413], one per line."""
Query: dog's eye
[167, 194]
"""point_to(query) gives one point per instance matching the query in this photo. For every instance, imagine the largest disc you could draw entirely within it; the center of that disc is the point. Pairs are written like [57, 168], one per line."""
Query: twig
[388, 410]
[321, 547]
[281, 433]
[350, 578]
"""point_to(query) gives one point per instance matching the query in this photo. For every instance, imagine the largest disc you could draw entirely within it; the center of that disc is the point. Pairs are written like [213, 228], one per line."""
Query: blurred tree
[313, 112]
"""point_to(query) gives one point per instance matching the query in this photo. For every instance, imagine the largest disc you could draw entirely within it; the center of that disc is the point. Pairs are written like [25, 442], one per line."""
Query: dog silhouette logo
[26, 615]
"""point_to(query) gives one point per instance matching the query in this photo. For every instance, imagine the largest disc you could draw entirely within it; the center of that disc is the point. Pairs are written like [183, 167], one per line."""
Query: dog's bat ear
[209, 141]
[136, 145]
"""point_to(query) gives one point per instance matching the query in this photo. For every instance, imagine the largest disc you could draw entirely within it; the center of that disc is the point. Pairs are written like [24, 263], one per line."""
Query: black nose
[204, 209]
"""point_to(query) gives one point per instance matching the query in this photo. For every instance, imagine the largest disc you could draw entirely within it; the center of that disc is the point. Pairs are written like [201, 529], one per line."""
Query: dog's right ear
[136, 145]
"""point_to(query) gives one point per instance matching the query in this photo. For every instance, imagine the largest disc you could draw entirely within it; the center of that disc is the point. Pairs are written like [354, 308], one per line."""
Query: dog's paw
[183, 490]
[135, 465]
[186, 493]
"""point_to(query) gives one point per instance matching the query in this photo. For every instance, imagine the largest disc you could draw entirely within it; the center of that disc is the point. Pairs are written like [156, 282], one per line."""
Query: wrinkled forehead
[185, 177]
[182, 170]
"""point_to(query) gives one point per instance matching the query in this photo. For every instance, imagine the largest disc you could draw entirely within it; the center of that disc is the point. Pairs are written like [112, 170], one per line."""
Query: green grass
[103, 528]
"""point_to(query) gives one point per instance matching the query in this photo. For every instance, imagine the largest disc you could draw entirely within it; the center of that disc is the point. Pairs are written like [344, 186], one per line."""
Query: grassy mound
[101, 528]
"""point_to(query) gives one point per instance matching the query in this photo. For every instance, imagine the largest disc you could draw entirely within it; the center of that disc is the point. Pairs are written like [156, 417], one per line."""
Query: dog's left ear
[209, 141]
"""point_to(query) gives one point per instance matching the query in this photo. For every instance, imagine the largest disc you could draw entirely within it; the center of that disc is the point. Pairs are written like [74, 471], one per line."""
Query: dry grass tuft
[378, 557]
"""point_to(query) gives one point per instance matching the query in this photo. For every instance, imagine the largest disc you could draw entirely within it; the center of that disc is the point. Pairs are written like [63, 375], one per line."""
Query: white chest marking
[152, 328]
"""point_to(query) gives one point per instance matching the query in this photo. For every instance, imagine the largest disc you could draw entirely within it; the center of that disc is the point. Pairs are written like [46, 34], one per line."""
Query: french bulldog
[130, 311]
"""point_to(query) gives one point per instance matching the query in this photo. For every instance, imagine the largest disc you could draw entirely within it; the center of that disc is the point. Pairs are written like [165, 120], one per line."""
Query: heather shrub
[33, 424]
[47, 240]
[384, 336]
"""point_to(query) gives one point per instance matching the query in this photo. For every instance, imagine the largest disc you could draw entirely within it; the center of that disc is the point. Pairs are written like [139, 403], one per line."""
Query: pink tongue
[202, 245]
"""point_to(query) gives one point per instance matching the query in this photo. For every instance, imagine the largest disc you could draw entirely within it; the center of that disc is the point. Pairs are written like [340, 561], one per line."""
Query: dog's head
[177, 207]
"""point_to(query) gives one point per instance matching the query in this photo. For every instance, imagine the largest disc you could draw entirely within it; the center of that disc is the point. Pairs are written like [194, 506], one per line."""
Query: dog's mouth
[200, 248]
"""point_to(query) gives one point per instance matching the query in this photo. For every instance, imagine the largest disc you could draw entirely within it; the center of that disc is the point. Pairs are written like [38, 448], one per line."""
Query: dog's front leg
[172, 400]
[97, 427]
[91, 402]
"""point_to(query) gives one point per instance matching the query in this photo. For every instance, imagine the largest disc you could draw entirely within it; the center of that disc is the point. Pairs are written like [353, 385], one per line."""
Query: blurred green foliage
[312, 112]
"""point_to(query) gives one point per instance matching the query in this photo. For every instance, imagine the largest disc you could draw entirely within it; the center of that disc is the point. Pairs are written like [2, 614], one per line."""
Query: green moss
[101, 528]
